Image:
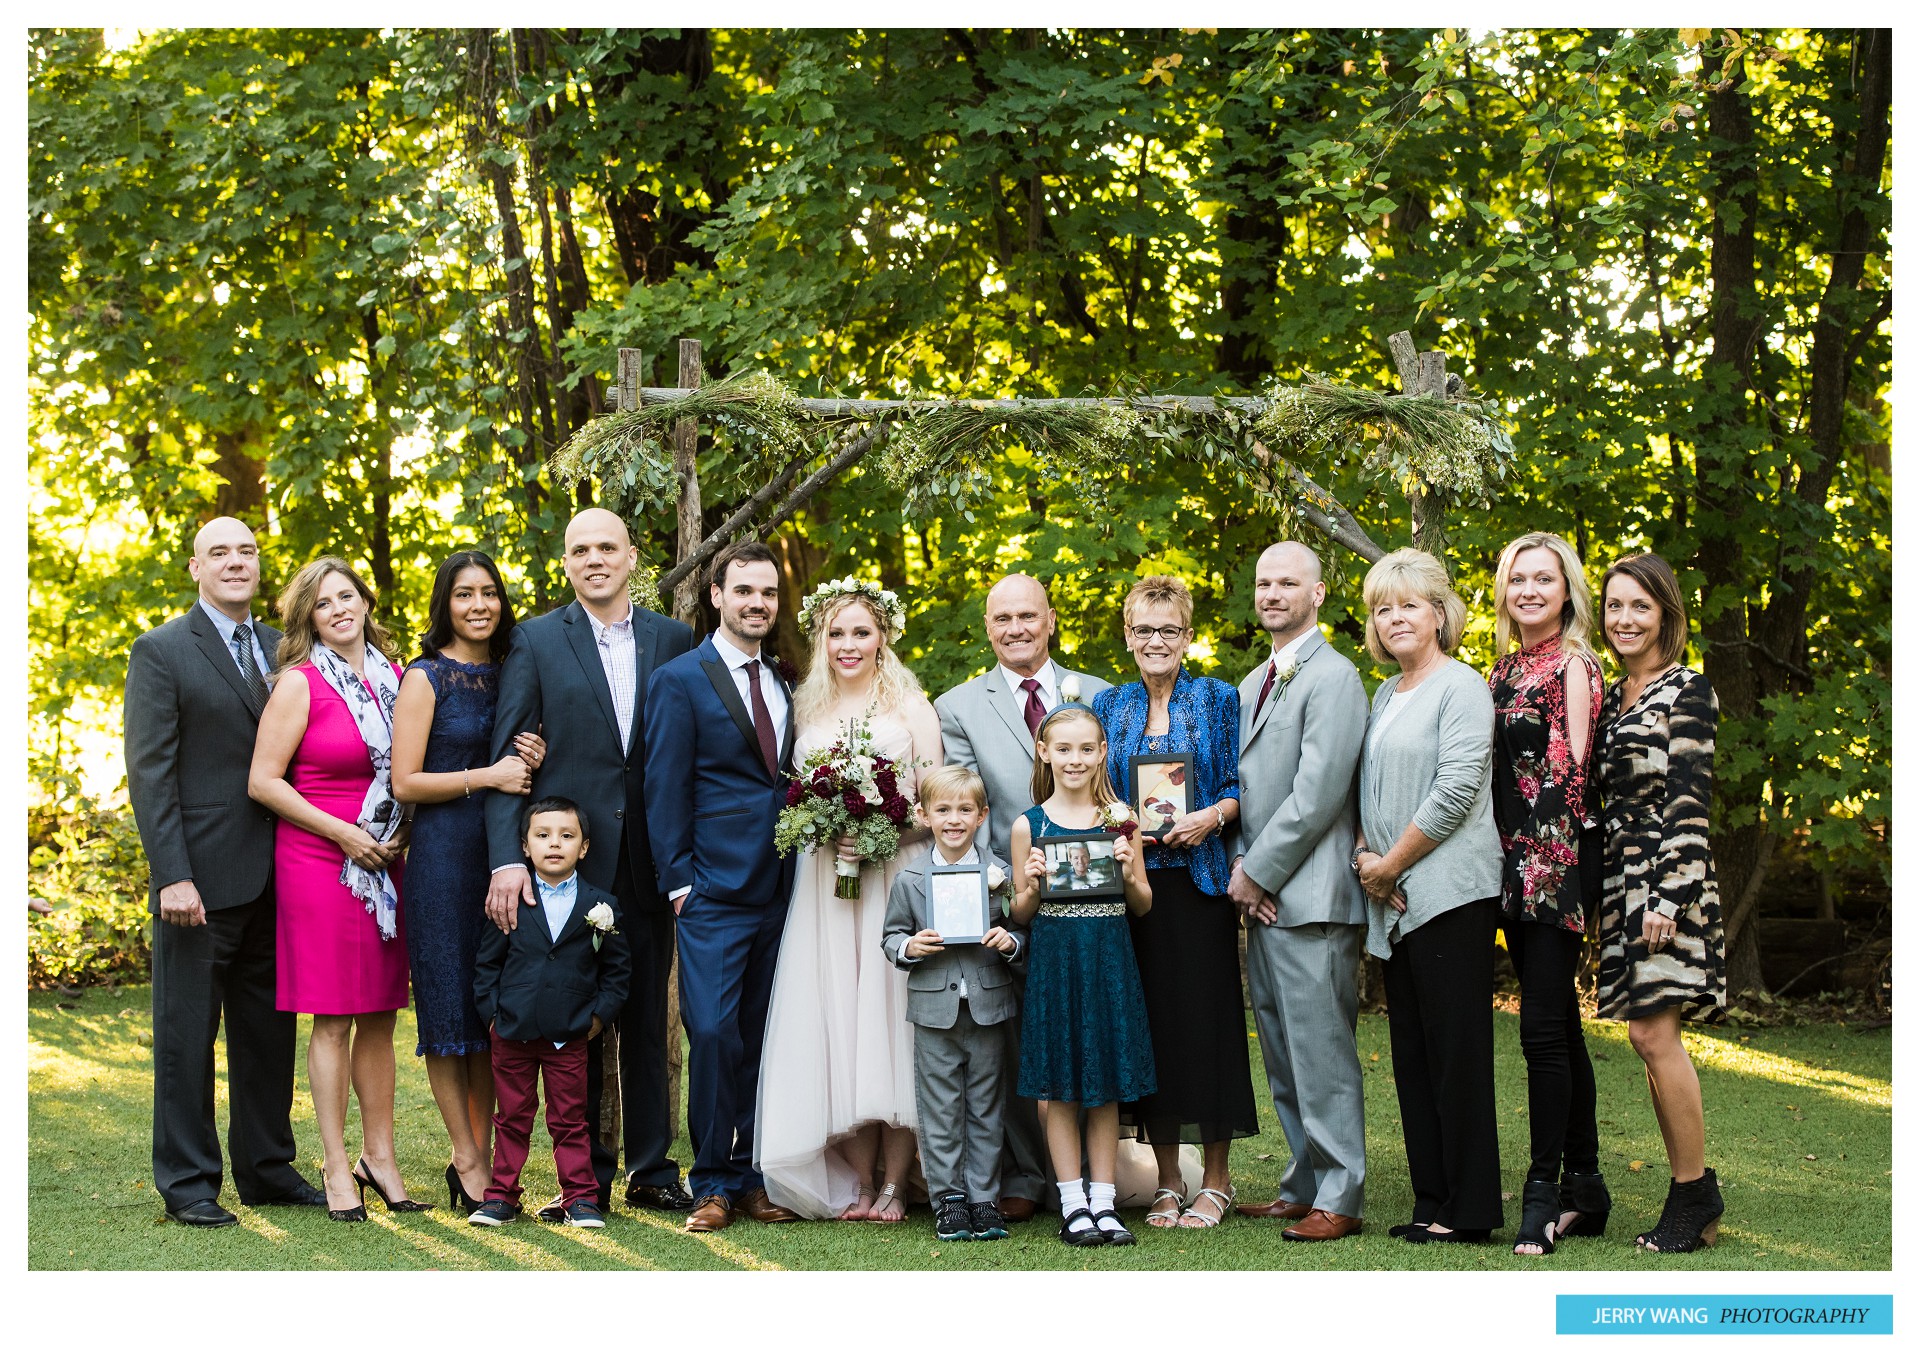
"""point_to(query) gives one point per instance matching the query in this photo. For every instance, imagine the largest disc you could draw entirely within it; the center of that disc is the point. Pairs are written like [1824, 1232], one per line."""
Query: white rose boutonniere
[1070, 690]
[600, 920]
[995, 878]
[1284, 675]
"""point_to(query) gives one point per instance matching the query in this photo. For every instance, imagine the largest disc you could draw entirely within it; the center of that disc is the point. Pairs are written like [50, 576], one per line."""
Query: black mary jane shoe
[405, 1205]
[1426, 1234]
[1118, 1235]
[1584, 1196]
[1690, 1219]
[1093, 1236]
[1539, 1213]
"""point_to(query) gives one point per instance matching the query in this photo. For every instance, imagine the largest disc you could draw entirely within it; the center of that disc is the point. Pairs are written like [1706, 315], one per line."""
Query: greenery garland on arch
[938, 452]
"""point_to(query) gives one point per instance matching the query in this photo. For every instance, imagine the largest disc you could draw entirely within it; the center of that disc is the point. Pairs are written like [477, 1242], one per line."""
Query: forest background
[358, 287]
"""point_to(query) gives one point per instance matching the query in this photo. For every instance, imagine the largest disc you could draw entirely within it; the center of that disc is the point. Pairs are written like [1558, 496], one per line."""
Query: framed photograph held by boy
[957, 896]
[1162, 790]
[1080, 865]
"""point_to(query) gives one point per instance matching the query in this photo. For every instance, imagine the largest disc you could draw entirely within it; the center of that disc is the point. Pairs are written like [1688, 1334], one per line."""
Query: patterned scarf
[380, 815]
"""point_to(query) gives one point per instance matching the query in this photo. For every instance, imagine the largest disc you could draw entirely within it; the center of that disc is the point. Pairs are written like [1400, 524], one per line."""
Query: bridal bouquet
[845, 789]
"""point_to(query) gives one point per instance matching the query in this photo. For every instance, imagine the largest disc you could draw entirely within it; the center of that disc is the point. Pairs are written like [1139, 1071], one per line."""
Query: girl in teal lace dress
[1084, 1039]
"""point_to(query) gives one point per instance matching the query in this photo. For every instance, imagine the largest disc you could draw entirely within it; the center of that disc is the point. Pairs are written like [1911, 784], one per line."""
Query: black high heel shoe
[457, 1198]
[1691, 1217]
[351, 1215]
[1585, 1197]
[366, 1179]
[1539, 1213]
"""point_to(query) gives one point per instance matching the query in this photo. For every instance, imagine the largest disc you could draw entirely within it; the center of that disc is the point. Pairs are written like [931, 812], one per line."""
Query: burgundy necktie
[763, 721]
[1036, 711]
[1266, 688]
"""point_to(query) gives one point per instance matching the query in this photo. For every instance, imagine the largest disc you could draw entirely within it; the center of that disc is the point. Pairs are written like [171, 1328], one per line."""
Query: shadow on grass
[1799, 1127]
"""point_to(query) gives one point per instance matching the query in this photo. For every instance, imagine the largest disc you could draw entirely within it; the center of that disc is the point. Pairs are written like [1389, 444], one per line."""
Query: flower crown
[882, 602]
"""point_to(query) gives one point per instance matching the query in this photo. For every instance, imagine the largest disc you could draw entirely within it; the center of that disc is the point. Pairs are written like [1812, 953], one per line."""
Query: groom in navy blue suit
[719, 740]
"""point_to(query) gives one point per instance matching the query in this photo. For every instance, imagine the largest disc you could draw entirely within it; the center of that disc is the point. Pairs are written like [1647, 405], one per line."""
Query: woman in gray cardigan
[1429, 858]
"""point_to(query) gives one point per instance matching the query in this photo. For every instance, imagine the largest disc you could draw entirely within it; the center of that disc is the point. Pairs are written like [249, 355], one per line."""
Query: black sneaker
[493, 1213]
[952, 1217]
[987, 1220]
[585, 1215]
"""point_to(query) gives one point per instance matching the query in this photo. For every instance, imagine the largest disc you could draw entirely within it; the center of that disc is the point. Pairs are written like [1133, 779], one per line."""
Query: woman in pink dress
[321, 762]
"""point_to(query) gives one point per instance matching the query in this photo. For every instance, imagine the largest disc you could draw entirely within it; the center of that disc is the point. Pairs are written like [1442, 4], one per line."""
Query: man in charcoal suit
[988, 724]
[1303, 719]
[578, 676]
[722, 744]
[195, 688]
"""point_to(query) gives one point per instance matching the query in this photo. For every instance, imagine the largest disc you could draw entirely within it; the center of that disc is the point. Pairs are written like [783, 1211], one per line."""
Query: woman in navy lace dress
[442, 726]
[1188, 945]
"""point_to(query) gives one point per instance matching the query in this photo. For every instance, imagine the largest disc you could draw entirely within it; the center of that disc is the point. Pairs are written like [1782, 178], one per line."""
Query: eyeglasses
[1167, 634]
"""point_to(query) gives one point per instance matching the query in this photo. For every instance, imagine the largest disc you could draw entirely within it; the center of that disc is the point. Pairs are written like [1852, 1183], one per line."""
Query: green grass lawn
[1799, 1126]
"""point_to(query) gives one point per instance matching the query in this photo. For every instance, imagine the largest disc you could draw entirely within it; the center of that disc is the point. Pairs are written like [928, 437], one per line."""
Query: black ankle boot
[1585, 1196]
[1691, 1217]
[1539, 1213]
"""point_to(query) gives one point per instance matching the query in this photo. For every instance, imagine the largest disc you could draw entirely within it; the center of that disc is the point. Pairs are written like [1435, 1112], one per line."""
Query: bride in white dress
[835, 1120]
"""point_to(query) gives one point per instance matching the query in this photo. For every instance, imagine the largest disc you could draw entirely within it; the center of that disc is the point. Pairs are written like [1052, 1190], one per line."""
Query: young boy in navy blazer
[956, 998]
[546, 990]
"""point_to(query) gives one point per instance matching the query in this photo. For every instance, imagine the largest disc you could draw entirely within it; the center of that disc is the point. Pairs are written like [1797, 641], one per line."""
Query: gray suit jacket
[1299, 774]
[933, 983]
[979, 729]
[190, 725]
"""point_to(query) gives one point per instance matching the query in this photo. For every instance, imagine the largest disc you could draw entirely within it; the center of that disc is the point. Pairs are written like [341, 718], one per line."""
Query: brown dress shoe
[1016, 1209]
[710, 1215]
[1322, 1225]
[757, 1205]
[1276, 1209]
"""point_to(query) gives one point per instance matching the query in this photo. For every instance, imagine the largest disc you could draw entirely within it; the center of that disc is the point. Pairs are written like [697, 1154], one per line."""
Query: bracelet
[1221, 817]
[466, 777]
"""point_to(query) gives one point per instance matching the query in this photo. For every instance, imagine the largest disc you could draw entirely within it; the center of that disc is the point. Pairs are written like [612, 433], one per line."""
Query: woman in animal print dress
[1662, 949]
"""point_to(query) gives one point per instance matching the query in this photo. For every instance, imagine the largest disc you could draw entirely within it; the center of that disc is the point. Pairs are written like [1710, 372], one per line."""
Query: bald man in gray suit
[1303, 720]
[988, 724]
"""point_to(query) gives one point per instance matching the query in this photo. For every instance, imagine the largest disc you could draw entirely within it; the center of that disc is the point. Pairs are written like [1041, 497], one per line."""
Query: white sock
[1100, 1198]
[1073, 1196]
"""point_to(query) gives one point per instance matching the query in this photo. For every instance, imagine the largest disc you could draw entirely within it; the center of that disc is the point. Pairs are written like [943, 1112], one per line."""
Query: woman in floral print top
[1546, 696]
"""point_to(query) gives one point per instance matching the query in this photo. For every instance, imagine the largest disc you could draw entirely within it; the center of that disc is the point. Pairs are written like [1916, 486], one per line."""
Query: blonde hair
[1413, 574]
[953, 781]
[1159, 589]
[296, 607]
[894, 686]
[1576, 612]
[1042, 783]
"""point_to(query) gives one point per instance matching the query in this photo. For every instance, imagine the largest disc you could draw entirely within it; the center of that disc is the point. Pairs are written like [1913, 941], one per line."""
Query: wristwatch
[1354, 861]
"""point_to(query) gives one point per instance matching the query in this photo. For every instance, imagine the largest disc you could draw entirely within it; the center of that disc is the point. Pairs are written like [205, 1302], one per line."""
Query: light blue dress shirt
[226, 627]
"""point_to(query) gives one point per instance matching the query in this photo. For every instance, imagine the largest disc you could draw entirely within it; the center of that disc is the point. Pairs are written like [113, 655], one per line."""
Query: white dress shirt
[226, 626]
[1049, 678]
[617, 659]
[770, 690]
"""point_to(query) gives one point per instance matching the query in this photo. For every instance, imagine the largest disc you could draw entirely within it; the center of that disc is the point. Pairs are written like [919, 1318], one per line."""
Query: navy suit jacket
[530, 986]
[714, 806]
[552, 681]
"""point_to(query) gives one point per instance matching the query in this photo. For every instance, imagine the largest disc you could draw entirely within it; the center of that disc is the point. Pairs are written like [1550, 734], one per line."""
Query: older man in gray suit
[987, 725]
[195, 688]
[1303, 719]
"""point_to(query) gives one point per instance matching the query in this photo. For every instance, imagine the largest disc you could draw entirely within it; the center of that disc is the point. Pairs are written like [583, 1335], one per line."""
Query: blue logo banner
[1720, 1315]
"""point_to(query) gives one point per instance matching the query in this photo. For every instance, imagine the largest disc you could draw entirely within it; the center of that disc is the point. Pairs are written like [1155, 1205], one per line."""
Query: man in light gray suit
[1303, 720]
[988, 724]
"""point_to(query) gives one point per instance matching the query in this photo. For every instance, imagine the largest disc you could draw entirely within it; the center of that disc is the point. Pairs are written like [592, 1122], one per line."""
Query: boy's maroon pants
[516, 1066]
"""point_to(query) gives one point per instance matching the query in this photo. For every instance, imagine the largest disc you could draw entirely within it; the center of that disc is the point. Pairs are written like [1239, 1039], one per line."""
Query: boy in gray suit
[956, 997]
